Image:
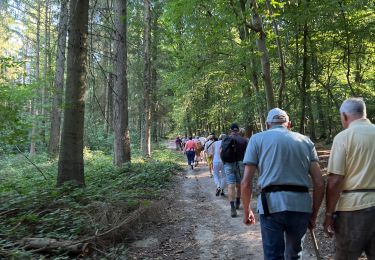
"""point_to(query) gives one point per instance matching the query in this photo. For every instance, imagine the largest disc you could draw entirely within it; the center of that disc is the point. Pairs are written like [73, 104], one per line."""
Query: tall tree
[71, 167]
[146, 142]
[257, 26]
[33, 106]
[54, 141]
[120, 95]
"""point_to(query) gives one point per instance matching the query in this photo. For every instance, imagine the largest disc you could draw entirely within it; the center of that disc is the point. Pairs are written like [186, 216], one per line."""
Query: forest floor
[197, 225]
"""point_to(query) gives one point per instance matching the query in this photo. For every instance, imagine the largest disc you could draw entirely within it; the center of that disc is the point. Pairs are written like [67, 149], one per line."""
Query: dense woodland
[88, 85]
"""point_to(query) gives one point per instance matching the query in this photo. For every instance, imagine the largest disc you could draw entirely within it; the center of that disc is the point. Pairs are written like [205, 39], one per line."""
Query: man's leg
[296, 227]
[231, 180]
[239, 169]
[272, 229]
[353, 234]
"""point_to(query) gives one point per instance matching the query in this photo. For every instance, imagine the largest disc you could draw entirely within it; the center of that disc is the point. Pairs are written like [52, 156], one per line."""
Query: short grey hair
[354, 106]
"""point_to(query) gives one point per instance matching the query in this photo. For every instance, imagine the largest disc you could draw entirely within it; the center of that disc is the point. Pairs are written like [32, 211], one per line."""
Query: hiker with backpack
[218, 169]
[285, 161]
[232, 152]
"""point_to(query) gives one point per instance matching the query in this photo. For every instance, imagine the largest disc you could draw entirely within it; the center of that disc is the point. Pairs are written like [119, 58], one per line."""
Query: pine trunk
[71, 166]
[54, 141]
[120, 97]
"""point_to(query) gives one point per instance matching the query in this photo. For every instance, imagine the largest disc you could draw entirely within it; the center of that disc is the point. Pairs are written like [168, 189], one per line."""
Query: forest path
[197, 225]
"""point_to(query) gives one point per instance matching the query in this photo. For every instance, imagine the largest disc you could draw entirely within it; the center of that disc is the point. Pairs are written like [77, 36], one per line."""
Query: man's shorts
[209, 160]
[234, 172]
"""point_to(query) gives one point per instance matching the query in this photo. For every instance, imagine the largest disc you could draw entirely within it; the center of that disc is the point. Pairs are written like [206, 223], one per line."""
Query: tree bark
[280, 54]
[257, 26]
[71, 167]
[54, 141]
[34, 109]
[120, 98]
[146, 144]
[305, 61]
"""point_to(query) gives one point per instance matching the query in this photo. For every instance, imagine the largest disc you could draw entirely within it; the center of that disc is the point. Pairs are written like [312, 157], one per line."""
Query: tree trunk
[280, 54]
[305, 61]
[54, 141]
[34, 109]
[146, 149]
[109, 103]
[71, 166]
[262, 47]
[120, 98]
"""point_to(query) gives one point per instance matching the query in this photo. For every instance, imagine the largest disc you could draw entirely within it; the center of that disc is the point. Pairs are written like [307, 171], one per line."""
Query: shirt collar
[360, 121]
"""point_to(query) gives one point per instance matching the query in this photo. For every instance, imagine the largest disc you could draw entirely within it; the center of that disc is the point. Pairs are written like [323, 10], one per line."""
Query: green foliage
[42, 210]
[13, 96]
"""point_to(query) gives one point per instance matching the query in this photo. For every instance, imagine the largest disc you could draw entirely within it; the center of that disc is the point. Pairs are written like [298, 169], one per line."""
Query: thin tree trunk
[146, 149]
[34, 109]
[54, 141]
[262, 47]
[120, 98]
[280, 54]
[304, 80]
[71, 167]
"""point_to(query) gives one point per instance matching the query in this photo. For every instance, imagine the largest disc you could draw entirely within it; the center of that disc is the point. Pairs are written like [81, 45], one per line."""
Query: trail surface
[197, 225]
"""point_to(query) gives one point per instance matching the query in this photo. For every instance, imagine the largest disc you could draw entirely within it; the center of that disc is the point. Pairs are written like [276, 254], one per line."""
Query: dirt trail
[198, 225]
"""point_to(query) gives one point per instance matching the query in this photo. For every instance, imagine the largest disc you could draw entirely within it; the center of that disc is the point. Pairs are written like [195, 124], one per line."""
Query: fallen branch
[9, 212]
[49, 244]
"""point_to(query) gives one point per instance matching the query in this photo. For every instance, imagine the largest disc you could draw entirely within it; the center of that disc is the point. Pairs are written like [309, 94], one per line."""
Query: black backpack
[229, 150]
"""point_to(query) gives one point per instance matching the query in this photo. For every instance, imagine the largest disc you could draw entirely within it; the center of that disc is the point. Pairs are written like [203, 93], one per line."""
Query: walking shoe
[238, 202]
[233, 212]
[191, 166]
[222, 192]
[217, 191]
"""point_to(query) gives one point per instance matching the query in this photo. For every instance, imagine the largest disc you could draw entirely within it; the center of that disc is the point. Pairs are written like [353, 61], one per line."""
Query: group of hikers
[284, 166]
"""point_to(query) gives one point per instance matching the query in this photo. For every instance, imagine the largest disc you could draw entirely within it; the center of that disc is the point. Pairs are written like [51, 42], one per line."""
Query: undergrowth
[32, 206]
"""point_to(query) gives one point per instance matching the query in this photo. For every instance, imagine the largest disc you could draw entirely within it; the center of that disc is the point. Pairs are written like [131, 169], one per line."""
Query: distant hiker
[232, 152]
[219, 176]
[284, 160]
[208, 151]
[350, 197]
[189, 150]
[198, 151]
[178, 142]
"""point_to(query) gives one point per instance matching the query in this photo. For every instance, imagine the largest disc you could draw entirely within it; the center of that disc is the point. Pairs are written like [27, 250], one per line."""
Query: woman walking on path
[219, 177]
[189, 150]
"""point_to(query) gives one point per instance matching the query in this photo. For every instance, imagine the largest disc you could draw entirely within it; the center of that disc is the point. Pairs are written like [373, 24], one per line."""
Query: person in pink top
[189, 150]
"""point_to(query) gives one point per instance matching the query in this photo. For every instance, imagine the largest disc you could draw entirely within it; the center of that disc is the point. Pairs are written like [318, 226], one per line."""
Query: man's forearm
[334, 187]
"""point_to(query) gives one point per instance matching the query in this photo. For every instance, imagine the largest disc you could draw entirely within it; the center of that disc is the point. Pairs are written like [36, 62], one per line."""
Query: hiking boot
[233, 212]
[217, 191]
[222, 193]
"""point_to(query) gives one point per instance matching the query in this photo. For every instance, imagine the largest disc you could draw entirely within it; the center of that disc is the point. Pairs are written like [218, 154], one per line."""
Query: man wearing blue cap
[285, 161]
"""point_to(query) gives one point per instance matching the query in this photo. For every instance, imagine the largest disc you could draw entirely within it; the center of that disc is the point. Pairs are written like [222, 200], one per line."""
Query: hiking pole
[315, 243]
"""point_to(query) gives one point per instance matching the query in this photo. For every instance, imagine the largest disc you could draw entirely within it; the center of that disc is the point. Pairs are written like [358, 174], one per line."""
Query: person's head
[222, 136]
[210, 137]
[234, 128]
[352, 109]
[190, 138]
[277, 116]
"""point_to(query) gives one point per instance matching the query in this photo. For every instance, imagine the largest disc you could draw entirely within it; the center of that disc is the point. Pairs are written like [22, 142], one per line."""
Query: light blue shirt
[282, 157]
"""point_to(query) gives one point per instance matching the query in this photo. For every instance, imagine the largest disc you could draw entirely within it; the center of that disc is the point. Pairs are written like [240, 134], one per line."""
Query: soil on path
[197, 225]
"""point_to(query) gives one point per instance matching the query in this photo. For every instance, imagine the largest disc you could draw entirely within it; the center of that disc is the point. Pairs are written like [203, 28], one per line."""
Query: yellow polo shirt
[353, 156]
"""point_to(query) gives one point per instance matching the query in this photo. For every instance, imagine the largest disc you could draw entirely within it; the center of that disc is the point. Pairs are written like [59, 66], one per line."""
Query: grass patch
[31, 206]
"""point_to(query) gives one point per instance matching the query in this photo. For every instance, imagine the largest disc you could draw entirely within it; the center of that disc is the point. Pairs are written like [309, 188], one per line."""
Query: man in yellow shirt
[350, 195]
